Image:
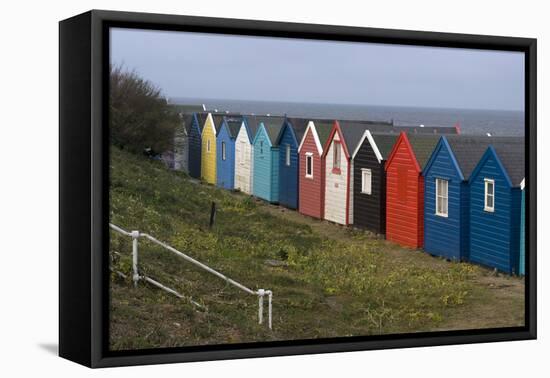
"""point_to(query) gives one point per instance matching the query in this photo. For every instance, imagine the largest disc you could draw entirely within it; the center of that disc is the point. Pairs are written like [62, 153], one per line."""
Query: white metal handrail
[135, 235]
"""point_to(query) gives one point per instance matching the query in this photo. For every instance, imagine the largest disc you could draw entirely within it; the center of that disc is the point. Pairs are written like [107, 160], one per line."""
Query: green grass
[337, 282]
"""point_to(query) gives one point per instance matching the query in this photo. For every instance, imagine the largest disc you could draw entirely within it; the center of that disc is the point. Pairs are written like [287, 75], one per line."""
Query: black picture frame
[83, 181]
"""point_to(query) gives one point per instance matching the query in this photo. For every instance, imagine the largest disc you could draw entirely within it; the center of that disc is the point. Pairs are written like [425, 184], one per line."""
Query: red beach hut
[311, 180]
[405, 188]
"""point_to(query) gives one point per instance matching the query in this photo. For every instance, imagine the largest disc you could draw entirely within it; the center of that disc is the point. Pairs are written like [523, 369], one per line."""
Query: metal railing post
[261, 293]
[135, 276]
[269, 298]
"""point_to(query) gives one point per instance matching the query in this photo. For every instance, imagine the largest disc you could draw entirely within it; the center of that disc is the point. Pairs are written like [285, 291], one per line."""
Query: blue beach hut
[265, 183]
[225, 151]
[446, 194]
[495, 206]
[289, 140]
[195, 143]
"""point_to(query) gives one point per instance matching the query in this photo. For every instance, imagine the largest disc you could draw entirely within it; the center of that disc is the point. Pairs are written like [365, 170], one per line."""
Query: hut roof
[201, 117]
[353, 131]
[299, 125]
[252, 125]
[273, 126]
[423, 146]
[218, 119]
[323, 128]
[385, 143]
[233, 125]
[188, 108]
[187, 119]
[511, 152]
[468, 150]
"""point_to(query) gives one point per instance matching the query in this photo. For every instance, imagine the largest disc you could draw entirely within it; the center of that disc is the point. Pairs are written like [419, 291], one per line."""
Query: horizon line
[338, 103]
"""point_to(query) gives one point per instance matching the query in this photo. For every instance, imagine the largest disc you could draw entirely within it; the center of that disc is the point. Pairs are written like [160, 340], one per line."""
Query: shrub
[139, 116]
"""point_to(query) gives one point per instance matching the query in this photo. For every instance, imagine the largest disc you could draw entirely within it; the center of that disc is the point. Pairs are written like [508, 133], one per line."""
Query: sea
[471, 121]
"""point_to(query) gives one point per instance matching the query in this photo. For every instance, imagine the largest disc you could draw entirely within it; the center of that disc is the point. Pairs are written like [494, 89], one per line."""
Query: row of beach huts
[456, 196]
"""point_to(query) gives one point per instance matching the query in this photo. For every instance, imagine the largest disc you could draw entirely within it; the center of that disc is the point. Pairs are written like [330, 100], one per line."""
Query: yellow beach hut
[208, 155]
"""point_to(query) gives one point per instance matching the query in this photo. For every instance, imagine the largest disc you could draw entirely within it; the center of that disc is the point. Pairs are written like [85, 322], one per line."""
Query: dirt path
[497, 301]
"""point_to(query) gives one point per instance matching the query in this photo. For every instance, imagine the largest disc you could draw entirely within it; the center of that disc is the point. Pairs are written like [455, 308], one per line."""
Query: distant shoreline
[200, 101]
[470, 121]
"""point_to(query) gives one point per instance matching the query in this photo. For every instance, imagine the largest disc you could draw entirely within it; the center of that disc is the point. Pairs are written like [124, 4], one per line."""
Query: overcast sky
[211, 66]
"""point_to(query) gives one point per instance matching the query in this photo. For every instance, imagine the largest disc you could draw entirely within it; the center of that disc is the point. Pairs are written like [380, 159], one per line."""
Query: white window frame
[336, 162]
[309, 156]
[439, 196]
[287, 155]
[366, 186]
[486, 207]
[208, 145]
[261, 147]
[223, 151]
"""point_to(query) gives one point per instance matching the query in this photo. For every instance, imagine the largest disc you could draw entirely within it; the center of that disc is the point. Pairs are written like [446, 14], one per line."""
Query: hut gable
[367, 136]
[311, 131]
[509, 156]
[319, 131]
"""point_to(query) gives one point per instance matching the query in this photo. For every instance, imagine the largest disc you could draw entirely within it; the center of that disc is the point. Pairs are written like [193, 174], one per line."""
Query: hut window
[208, 145]
[489, 195]
[309, 165]
[336, 156]
[366, 181]
[287, 156]
[261, 147]
[223, 151]
[442, 197]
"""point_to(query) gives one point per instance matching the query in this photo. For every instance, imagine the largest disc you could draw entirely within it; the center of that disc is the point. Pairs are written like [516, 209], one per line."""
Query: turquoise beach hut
[266, 158]
[522, 235]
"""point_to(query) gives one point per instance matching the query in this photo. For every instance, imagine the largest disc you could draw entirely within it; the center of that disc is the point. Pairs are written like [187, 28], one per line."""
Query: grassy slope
[338, 281]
